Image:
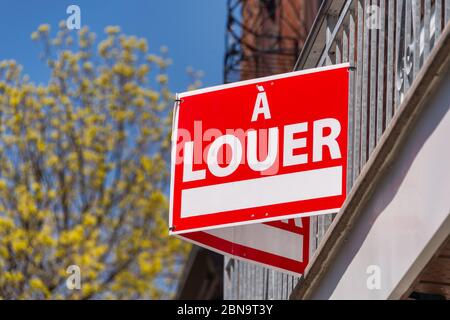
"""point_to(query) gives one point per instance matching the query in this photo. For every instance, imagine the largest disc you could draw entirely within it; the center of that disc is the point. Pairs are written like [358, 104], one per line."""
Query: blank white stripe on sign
[260, 192]
[265, 238]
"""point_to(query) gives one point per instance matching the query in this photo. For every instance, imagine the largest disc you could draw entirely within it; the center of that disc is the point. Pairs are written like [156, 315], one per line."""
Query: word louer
[292, 149]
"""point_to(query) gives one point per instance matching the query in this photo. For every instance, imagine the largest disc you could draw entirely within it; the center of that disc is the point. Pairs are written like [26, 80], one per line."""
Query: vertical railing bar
[426, 29]
[227, 274]
[381, 66]
[250, 276]
[274, 285]
[296, 280]
[265, 274]
[316, 233]
[328, 41]
[237, 280]
[244, 280]
[260, 273]
[348, 42]
[253, 287]
[319, 230]
[328, 219]
[230, 280]
[279, 285]
[437, 20]
[264, 281]
[373, 84]
[330, 36]
[390, 61]
[407, 35]
[256, 282]
[351, 112]
[260, 292]
[398, 54]
[365, 90]
[233, 281]
[272, 282]
[293, 283]
[246, 277]
[247, 280]
[289, 286]
[312, 236]
[447, 11]
[345, 40]
[416, 35]
[285, 285]
[358, 91]
[338, 53]
[318, 225]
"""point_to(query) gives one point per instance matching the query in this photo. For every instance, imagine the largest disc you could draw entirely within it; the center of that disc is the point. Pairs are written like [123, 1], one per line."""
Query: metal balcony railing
[386, 42]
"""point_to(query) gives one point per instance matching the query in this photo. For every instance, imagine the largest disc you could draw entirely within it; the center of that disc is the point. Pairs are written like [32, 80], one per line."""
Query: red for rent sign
[257, 152]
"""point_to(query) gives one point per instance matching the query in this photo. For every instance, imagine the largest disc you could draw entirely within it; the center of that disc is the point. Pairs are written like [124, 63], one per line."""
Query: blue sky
[193, 30]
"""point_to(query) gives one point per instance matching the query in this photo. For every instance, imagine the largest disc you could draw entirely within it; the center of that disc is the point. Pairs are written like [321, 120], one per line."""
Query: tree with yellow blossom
[83, 171]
